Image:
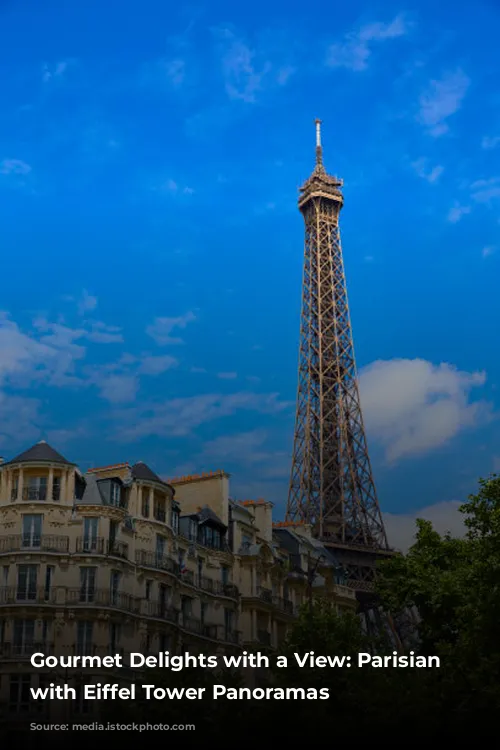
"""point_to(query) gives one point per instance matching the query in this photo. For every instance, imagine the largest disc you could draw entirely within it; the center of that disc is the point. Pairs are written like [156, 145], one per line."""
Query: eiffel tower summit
[331, 483]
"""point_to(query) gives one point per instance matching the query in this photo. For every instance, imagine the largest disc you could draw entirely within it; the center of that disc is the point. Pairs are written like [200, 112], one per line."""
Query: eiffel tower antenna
[331, 483]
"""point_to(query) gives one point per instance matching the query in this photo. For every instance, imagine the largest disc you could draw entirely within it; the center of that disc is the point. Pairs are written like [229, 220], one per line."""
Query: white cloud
[118, 389]
[175, 71]
[161, 328]
[87, 303]
[431, 174]
[442, 99]
[248, 71]
[484, 191]
[414, 406]
[14, 166]
[489, 142]
[227, 375]
[171, 186]
[487, 251]
[445, 517]
[25, 358]
[181, 416]
[354, 51]
[51, 72]
[456, 212]
[151, 365]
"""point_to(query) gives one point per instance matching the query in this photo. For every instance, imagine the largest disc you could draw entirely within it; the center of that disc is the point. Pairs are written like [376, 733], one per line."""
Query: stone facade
[118, 560]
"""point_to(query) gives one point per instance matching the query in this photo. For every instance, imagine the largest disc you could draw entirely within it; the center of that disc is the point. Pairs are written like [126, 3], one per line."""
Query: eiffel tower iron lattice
[331, 483]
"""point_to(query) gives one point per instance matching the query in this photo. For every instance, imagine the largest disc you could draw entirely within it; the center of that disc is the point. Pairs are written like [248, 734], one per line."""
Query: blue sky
[152, 248]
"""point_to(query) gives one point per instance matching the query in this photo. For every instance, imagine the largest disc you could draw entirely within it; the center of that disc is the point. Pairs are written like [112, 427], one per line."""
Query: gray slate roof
[140, 470]
[91, 494]
[41, 451]
[205, 514]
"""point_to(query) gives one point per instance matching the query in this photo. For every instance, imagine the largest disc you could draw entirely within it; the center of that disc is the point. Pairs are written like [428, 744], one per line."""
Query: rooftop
[40, 452]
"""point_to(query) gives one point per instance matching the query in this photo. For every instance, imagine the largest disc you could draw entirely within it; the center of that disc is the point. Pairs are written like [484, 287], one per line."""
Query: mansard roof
[205, 514]
[140, 470]
[40, 453]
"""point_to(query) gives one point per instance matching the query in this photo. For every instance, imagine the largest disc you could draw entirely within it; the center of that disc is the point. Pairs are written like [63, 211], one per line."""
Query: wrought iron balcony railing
[26, 595]
[265, 594]
[158, 561]
[285, 605]
[89, 596]
[31, 542]
[101, 546]
[19, 649]
[161, 610]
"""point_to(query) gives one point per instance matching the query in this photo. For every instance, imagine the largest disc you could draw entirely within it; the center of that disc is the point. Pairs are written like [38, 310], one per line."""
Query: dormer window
[115, 493]
[193, 530]
[175, 521]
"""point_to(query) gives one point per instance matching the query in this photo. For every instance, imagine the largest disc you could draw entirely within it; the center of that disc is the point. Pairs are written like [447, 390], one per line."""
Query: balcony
[161, 611]
[30, 543]
[159, 515]
[266, 595]
[117, 549]
[88, 596]
[192, 624]
[187, 576]
[158, 561]
[218, 587]
[26, 596]
[285, 605]
[100, 546]
[25, 649]
[36, 494]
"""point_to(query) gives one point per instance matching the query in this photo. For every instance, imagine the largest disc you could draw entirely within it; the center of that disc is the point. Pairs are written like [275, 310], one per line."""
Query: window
[114, 586]
[224, 574]
[164, 642]
[19, 699]
[246, 541]
[49, 573]
[160, 547]
[14, 490]
[228, 621]
[90, 529]
[145, 505]
[56, 489]
[200, 567]
[87, 584]
[113, 528]
[36, 489]
[24, 636]
[114, 638]
[84, 632]
[175, 521]
[203, 612]
[32, 530]
[6, 569]
[26, 582]
[147, 593]
[193, 530]
[115, 493]
[208, 536]
[45, 631]
[182, 560]
[163, 598]
[186, 606]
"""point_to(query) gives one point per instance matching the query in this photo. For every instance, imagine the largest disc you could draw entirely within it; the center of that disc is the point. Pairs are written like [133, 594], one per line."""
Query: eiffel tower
[331, 483]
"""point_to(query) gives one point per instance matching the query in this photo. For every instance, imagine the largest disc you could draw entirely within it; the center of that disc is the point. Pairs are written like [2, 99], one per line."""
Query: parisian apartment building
[118, 560]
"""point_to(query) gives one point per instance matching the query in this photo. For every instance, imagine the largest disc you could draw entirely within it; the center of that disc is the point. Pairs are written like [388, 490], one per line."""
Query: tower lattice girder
[331, 485]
